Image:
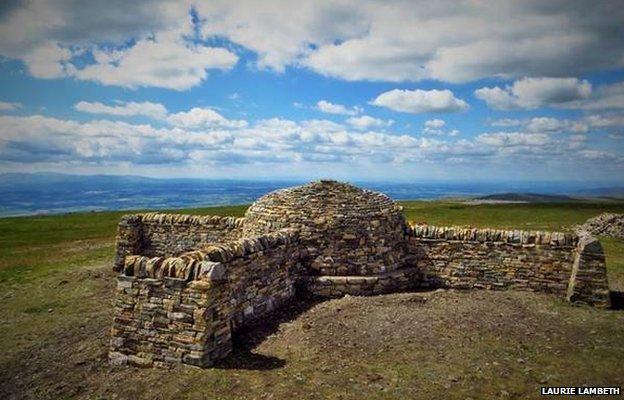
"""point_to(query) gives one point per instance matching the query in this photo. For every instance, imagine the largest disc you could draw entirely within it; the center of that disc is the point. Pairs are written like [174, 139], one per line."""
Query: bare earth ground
[442, 344]
[56, 291]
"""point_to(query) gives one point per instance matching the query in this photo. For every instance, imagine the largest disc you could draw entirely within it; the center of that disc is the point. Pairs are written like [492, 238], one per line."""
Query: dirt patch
[414, 345]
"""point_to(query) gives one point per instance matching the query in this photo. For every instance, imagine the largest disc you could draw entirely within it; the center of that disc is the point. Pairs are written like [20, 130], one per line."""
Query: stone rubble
[605, 224]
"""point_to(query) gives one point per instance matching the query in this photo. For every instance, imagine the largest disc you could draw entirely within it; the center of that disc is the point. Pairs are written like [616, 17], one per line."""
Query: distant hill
[617, 192]
[527, 197]
[53, 193]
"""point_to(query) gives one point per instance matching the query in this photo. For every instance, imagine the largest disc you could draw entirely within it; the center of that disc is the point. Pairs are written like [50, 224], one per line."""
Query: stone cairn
[187, 283]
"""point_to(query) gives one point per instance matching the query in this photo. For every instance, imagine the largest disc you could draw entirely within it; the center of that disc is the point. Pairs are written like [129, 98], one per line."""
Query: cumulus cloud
[203, 118]
[507, 39]
[367, 122]
[557, 125]
[208, 140]
[603, 98]
[505, 122]
[49, 60]
[124, 109]
[606, 121]
[353, 40]
[530, 93]
[171, 63]
[37, 138]
[151, 45]
[339, 109]
[420, 101]
[435, 123]
[9, 106]
[510, 139]
[546, 124]
[434, 127]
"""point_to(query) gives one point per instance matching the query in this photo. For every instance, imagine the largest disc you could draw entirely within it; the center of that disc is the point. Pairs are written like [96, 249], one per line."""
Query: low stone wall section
[184, 309]
[465, 258]
[168, 235]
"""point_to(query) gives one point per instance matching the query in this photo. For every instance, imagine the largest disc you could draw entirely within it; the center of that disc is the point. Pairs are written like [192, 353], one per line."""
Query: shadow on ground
[245, 341]
[617, 300]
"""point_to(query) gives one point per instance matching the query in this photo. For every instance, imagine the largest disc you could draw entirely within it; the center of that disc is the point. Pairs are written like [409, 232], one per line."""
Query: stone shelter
[187, 283]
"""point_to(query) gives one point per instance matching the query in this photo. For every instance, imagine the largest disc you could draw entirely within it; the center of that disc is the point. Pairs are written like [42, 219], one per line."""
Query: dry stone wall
[187, 282]
[184, 309]
[589, 283]
[511, 259]
[154, 234]
[605, 224]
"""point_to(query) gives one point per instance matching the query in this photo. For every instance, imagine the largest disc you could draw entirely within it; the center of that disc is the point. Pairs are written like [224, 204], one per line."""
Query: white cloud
[161, 52]
[530, 93]
[420, 101]
[506, 122]
[603, 98]
[353, 40]
[126, 109]
[556, 125]
[339, 109]
[435, 123]
[606, 121]
[509, 39]
[204, 118]
[38, 140]
[279, 32]
[49, 60]
[170, 63]
[434, 127]
[9, 106]
[367, 122]
[546, 124]
[510, 139]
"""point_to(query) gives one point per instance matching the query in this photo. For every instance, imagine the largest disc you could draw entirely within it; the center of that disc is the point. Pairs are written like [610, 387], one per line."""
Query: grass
[56, 287]
[32, 246]
[546, 216]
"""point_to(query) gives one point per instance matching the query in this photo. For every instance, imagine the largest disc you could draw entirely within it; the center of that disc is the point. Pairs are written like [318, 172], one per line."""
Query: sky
[358, 90]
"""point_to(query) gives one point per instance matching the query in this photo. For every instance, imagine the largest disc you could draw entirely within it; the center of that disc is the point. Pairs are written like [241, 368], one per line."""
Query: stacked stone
[588, 283]
[605, 224]
[188, 282]
[494, 235]
[347, 230]
[163, 321]
[155, 234]
[184, 309]
[465, 258]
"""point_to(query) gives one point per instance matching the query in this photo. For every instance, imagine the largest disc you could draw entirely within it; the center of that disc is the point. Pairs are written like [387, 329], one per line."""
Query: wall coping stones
[202, 264]
[494, 235]
[183, 219]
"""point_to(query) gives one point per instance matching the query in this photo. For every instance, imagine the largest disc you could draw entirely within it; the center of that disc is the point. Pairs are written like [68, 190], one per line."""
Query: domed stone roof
[348, 230]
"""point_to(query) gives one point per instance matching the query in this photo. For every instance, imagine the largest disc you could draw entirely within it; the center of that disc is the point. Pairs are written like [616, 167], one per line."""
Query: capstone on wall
[167, 235]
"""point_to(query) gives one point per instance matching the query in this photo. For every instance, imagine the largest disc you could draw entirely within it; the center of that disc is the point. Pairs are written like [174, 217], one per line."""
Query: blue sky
[499, 91]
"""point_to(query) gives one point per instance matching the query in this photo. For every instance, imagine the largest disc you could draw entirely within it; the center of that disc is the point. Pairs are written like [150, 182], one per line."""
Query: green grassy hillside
[56, 288]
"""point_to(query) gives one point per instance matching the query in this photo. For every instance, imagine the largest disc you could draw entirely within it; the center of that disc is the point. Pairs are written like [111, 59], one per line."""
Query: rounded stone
[347, 230]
